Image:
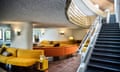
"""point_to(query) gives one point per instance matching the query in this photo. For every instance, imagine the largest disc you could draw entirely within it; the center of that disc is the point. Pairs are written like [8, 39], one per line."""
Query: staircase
[106, 53]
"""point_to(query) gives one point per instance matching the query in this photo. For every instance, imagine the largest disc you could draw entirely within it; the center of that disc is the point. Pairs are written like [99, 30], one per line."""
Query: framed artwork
[1, 37]
[8, 35]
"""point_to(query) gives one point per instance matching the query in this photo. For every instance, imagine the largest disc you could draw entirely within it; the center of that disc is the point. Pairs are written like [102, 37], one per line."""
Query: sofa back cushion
[2, 50]
[6, 53]
[12, 51]
[22, 53]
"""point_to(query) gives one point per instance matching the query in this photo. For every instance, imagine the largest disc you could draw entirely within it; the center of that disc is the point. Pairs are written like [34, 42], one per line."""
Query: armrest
[44, 65]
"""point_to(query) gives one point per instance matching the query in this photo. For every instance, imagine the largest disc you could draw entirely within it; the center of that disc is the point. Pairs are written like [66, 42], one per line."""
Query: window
[7, 35]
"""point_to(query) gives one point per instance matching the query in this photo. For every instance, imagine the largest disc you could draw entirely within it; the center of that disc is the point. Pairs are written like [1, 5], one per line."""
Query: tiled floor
[66, 65]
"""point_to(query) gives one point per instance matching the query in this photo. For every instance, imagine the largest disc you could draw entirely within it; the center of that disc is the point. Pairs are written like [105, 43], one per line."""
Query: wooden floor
[66, 65]
[2, 70]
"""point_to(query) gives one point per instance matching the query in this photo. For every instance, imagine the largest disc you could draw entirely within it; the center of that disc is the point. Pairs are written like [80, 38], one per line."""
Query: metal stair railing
[88, 43]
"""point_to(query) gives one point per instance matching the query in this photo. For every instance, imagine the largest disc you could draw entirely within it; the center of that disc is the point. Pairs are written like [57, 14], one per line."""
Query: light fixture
[18, 31]
[42, 31]
[71, 38]
[62, 32]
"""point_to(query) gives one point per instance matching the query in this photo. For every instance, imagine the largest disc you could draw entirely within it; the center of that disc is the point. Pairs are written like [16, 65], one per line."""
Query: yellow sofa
[23, 57]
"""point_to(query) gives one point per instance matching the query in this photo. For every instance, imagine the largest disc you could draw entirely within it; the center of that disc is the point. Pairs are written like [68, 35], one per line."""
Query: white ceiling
[43, 12]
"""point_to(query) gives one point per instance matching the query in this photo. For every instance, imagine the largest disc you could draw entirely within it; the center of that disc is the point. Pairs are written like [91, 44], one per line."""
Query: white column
[108, 15]
[24, 40]
[116, 8]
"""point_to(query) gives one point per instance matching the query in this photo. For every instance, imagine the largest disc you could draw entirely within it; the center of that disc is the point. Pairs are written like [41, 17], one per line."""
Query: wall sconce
[62, 32]
[18, 31]
[71, 38]
[42, 31]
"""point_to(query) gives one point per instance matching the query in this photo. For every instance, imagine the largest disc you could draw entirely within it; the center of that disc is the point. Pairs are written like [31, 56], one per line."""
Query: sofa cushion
[3, 59]
[13, 51]
[56, 45]
[2, 50]
[6, 53]
[22, 61]
[44, 65]
[22, 53]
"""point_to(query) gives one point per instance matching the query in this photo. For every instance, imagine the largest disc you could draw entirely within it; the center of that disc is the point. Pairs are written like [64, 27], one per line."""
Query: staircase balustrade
[89, 39]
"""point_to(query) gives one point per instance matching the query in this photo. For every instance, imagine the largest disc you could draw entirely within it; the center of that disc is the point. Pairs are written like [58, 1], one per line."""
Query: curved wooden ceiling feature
[79, 14]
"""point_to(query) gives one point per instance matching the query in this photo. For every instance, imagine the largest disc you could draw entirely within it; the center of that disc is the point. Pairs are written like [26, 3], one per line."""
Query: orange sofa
[58, 51]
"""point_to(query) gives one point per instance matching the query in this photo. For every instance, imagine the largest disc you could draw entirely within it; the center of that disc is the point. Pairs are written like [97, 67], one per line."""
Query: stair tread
[104, 60]
[107, 53]
[103, 66]
[107, 45]
[109, 50]
[89, 69]
[108, 33]
[108, 42]
[116, 56]
[114, 49]
[108, 39]
[108, 36]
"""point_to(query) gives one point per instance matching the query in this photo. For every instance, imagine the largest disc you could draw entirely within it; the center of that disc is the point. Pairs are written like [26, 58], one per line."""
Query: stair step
[107, 46]
[92, 69]
[112, 37]
[104, 67]
[105, 60]
[104, 57]
[110, 26]
[115, 24]
[106, 28]
[108, 42]
[107, 34]
[108, 50]
[109, 31]
[107, 55]
[108, 39]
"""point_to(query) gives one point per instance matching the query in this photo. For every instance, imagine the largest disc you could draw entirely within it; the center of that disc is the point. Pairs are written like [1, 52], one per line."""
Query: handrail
[88, 33]
[91, 36]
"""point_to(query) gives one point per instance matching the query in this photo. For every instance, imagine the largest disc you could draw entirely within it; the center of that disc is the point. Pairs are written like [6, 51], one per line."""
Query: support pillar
[24, 39]
[116, 9]
[108, 16]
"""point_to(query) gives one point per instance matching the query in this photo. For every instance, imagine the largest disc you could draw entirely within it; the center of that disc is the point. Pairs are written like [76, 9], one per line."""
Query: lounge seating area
[57, 48]
[22, 57]
[45, 43]
[58, 51]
